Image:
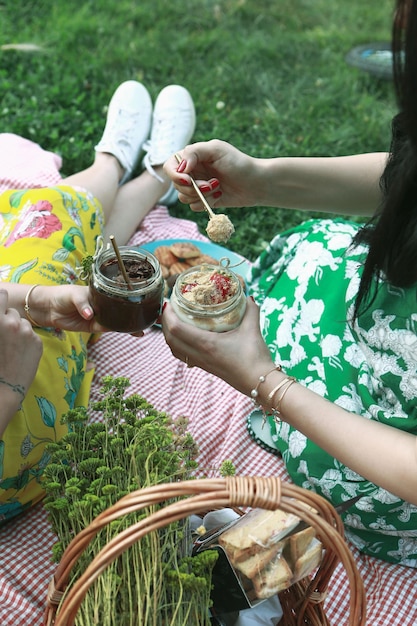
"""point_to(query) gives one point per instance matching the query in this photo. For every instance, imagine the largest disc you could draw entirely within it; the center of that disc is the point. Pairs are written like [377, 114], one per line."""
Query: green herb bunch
[129, 445]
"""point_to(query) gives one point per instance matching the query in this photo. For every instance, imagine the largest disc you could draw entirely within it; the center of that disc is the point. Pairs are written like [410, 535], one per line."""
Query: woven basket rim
[199, 495]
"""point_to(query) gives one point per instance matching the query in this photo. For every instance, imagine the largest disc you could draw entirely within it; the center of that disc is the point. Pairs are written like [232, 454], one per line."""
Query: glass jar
[117, 307]
[210, 297]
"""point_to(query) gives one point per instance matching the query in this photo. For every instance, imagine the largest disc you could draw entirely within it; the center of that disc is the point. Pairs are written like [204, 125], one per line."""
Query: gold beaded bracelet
[284, 385]
[255, 392]
[26, 307]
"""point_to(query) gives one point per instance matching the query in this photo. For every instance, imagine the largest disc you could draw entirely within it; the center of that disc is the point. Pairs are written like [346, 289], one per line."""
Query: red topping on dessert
[222, 283]
[186, 287]
[207, 287]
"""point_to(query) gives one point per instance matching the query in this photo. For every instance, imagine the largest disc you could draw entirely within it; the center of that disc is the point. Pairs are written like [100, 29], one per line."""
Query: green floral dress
[44, 235]
[305, 283]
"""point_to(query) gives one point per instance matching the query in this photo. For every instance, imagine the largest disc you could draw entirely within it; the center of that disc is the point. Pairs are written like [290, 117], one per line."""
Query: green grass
[268, 76]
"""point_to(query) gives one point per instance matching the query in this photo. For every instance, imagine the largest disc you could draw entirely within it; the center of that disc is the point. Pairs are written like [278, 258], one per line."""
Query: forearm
[345, 185]
[17, 294]
[383, 455]
[60, 306]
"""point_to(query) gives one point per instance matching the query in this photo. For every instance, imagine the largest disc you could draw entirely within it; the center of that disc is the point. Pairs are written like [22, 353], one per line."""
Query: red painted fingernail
[184, 181]
[217, 194]
[181, 167]
[214, 183]
[205, 188]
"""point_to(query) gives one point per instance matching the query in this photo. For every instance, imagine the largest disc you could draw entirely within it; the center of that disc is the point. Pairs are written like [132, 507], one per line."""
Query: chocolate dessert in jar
[117, 306]
[210, 297]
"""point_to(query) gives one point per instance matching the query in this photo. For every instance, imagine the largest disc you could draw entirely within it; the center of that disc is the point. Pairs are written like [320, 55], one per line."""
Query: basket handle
[198, 496]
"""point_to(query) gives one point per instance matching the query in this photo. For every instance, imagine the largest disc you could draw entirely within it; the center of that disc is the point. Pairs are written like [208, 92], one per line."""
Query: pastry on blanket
[255, 531]
[164, 270]
[308, 560]
[185, 250]
[165, 256]
[255, 563]
[202, 258]
[178, 267]
[275, 577]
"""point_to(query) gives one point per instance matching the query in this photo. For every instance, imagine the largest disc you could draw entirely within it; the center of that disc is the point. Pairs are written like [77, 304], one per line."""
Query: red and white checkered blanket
[217, 417]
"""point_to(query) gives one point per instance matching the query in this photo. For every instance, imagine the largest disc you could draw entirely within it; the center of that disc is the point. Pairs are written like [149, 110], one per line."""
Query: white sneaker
[173, 125]
[128, 124]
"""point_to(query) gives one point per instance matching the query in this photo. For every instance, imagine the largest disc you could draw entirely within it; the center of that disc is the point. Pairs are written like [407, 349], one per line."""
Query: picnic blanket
[217, 421]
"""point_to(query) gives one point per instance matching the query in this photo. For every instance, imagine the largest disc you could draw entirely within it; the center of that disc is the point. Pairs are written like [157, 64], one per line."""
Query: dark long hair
[391, 234]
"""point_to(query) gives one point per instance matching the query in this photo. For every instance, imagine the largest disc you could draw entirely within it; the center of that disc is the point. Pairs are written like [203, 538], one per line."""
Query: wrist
[7, 413]
[268, 180]
[11, 397]
[270, 390]
[258, 392]
[34, 306]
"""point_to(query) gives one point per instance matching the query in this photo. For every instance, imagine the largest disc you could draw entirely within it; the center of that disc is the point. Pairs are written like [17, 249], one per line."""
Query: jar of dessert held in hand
[210, 297]
[123, 307]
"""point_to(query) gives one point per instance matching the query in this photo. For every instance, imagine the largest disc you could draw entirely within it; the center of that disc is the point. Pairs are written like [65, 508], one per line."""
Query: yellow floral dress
[44, 235]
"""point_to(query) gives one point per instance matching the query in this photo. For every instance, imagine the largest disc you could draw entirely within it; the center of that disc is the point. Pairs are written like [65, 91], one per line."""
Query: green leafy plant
[120, 444]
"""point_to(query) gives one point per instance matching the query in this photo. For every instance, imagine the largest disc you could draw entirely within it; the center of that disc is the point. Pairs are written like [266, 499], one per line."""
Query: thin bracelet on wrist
[284, 385]
[255, 392]
[16, 388]
[27, 308]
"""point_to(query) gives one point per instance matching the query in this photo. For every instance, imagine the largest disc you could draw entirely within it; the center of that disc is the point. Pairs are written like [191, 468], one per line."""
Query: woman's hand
[226, 176]
[71, 310]
[21, 351]
[238, 356]
[66, 307]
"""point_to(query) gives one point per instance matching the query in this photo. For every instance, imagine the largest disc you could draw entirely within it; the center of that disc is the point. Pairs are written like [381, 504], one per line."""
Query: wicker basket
[302, 603]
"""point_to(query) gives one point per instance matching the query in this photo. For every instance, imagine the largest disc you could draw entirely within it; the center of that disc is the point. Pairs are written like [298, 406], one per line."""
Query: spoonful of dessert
[219, 227]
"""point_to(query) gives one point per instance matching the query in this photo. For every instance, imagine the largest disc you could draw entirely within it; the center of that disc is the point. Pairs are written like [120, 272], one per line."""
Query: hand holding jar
[238, 356]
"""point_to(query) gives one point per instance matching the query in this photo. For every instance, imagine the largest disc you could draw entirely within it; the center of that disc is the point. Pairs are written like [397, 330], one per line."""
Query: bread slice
[275, 577]
[296, 545]
[308, 560]
[255, 563]
[255, 531]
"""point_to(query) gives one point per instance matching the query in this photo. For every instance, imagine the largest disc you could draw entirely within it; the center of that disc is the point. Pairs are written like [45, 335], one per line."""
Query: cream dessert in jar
[210, 297]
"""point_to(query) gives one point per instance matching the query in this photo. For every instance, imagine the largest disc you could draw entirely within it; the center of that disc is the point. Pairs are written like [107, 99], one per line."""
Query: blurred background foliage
[270, 77]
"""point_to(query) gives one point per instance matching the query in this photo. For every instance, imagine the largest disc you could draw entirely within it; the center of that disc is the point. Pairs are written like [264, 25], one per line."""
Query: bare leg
[101, 179]
[124, 207]
[133, 202]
